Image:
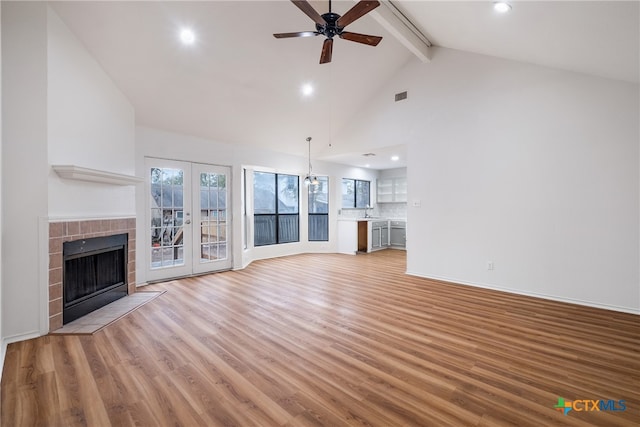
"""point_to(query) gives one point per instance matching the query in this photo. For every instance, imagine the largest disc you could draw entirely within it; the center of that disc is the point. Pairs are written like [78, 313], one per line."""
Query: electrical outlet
[489, 265]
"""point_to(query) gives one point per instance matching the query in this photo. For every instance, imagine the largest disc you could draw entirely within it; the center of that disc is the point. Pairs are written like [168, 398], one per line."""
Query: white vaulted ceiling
[238, 84]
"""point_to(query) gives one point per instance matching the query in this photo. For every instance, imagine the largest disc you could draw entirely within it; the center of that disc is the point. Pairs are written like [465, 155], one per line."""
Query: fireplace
[61, 231]
[94, 274]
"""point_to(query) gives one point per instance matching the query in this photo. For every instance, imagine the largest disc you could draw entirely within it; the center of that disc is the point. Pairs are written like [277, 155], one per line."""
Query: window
[319, 210]
[355, 193]
[275, 208]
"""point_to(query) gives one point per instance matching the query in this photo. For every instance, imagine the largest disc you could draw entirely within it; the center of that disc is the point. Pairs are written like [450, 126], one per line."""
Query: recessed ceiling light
[501, 7]
[395, 158]
[307, 89]
[187, 36]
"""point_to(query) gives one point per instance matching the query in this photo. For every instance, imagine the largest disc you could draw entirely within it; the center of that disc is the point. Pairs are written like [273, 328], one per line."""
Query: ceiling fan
[331, 24]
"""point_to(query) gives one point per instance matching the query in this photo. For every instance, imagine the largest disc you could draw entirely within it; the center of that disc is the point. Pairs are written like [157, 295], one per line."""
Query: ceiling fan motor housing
[331, 28]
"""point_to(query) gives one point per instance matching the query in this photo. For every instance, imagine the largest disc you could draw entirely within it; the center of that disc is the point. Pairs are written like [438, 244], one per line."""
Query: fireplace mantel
[95, 175]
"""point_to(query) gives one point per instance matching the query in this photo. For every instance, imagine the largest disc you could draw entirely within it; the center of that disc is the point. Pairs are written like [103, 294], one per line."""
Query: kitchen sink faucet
[366, 211]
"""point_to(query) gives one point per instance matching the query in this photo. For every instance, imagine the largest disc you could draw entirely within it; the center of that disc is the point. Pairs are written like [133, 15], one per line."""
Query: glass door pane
[212, 239]
[211, 198]
[168, 238]
[167, 217]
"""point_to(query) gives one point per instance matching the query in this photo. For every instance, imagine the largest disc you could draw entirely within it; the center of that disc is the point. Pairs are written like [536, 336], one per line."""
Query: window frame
[324, 180]
[355, 193]
[277, 214]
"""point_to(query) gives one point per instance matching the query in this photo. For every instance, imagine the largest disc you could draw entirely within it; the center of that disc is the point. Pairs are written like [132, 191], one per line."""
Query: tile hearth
[96, 320]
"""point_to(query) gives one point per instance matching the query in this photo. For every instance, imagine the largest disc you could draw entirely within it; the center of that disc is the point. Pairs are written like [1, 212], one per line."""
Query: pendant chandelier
[310, 179]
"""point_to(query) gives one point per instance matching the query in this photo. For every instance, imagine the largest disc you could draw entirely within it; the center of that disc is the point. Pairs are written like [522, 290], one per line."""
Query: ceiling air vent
[369, 154]
[400, 96]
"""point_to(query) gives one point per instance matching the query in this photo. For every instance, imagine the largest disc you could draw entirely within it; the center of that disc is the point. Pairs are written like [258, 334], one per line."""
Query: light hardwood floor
[330, 340]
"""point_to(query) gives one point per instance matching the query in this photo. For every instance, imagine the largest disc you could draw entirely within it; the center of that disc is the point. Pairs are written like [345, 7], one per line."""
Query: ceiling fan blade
[327, 48]
[361, 38]
[299, 34]
[308, 10]
[361, 8]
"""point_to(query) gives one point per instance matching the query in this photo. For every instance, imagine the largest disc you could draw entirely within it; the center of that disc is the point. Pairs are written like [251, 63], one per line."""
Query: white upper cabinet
[392, 190]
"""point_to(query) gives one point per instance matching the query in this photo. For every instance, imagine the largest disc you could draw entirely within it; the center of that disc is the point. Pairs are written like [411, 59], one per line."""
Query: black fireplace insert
[94, 274]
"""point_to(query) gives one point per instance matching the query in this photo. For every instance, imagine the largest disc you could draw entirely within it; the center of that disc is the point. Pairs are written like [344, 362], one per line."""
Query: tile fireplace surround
[66, 231]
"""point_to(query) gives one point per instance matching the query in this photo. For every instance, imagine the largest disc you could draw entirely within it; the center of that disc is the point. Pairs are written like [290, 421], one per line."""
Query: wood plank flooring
[330, 340]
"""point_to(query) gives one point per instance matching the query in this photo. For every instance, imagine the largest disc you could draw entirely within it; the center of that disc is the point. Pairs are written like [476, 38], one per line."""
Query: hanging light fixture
[310, 179]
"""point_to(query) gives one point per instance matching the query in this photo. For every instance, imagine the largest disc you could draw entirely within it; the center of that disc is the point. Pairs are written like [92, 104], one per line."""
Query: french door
[189, 229]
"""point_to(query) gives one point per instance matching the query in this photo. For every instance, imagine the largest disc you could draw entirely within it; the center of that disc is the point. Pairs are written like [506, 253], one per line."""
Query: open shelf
[94, 175]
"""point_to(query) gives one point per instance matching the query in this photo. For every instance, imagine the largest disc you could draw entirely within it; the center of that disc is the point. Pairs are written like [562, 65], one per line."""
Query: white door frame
[181, 225]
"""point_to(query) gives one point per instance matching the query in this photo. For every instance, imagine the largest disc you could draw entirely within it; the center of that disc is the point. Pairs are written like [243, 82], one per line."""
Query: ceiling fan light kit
[331, 24]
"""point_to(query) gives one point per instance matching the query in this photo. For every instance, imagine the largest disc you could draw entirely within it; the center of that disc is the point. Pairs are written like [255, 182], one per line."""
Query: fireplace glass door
[187, 216]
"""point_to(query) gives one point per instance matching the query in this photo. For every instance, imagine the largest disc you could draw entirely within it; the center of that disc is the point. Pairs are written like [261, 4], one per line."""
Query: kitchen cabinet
[369, 235]
[384, 190]
[398, 234]
[379, 235]
[391, 190]
[375, 238]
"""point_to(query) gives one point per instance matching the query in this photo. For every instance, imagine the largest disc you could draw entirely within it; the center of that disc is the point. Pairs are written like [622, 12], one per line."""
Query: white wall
[58, 107]
[168, 145]
[24, 166]
[531, 168]
[393, 173]
[90, 124]
[3, 347]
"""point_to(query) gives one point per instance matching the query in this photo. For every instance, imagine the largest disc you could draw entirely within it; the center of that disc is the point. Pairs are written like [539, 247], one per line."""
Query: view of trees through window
[319, 210]
[167, 246]
[276, 208]
[355, 193]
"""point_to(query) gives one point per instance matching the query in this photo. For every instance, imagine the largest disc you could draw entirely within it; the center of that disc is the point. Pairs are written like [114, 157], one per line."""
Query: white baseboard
[629, 310]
